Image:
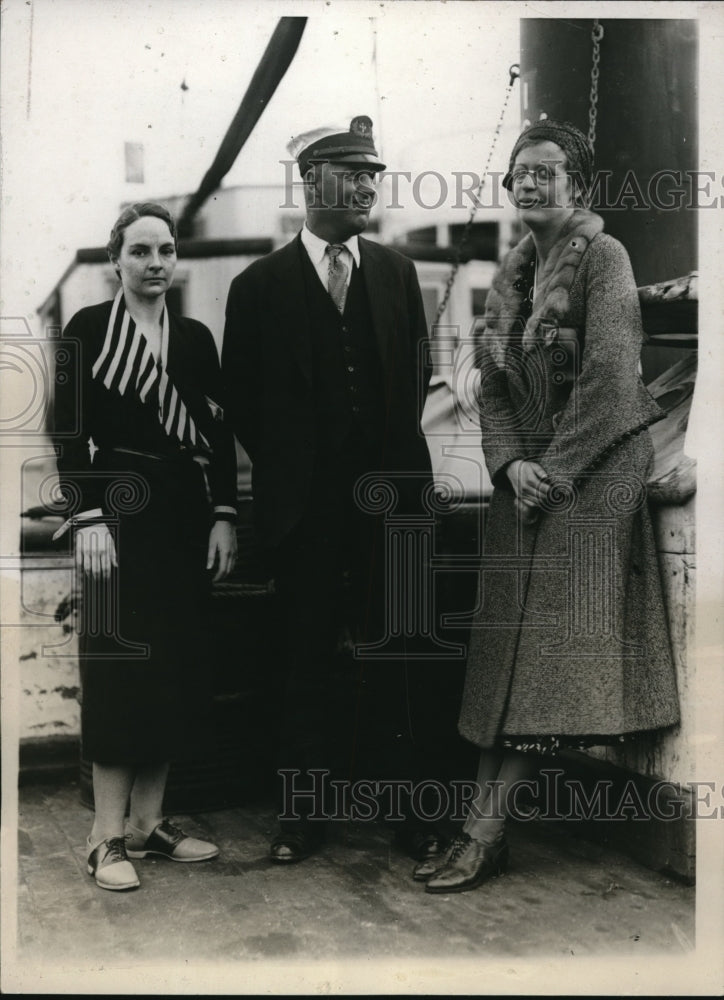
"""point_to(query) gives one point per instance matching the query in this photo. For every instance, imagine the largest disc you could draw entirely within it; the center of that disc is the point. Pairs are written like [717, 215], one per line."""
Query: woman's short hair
[131, 214]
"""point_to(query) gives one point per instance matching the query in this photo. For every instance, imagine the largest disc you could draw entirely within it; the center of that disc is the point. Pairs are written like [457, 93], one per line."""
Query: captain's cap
[334, 143]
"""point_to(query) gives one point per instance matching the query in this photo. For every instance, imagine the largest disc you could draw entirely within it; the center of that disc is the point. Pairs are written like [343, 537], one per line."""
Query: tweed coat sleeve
[502, 442]
[608, 401]
[501, 431]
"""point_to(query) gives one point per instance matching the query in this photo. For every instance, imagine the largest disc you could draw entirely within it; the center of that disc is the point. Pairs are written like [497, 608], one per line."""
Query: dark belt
[180, 459]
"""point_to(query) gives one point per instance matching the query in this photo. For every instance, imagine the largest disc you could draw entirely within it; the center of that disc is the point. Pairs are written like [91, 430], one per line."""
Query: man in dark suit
[323, 364]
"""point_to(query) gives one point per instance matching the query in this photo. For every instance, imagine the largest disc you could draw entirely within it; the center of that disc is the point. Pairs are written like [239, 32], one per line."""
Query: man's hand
[222, 549]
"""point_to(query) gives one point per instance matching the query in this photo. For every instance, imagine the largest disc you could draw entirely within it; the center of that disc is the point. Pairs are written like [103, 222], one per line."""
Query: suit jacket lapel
[381, 296]
[291, 313]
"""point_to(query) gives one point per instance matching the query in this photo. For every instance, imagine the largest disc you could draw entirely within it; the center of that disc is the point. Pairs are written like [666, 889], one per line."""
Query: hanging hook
[514, 73]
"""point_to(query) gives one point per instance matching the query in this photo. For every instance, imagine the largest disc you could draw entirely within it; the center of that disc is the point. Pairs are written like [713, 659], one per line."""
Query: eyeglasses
[541, 174]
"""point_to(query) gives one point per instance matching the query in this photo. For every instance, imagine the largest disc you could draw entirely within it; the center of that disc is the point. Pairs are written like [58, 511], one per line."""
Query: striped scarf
[126, 361]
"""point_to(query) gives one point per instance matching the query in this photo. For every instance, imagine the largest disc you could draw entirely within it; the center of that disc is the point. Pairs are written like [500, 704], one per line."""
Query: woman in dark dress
[569, 646]
[148, 445]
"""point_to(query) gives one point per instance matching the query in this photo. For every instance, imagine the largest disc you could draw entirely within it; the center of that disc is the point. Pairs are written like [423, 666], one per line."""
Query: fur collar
[552, 301]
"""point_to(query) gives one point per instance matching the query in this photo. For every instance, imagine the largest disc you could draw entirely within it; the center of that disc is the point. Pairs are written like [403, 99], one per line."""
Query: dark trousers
[341, 713]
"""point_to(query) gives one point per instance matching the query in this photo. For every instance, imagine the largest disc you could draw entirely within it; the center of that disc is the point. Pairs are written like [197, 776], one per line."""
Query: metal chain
[596, 36]
[514, 74]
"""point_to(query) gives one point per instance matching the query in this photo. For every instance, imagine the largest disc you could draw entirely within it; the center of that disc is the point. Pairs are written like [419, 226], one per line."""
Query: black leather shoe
[419, 842]
[471, 863]
[422, 871]
[296, 844]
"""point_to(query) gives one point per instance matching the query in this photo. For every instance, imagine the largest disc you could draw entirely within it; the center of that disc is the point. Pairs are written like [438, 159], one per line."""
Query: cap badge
[361, 126]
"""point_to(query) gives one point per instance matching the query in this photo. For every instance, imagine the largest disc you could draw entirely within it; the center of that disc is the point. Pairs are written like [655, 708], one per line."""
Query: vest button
[345, 329]
[350, 368]
[348, 349]
[355, 409]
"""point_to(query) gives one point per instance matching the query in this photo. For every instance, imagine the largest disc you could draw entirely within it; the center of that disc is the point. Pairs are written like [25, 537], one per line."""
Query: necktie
[338, 271]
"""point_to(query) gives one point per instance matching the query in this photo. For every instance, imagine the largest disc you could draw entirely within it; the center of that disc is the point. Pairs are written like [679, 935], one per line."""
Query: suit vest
[349, 390]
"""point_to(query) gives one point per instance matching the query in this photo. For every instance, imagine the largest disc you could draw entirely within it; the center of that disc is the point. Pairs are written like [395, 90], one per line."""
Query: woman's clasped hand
[530, 484]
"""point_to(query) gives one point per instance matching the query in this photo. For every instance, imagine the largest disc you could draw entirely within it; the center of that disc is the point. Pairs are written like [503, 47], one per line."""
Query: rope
[514, 72]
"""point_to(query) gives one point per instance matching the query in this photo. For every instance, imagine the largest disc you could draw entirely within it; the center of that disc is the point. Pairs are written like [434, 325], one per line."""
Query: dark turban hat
[571, 140]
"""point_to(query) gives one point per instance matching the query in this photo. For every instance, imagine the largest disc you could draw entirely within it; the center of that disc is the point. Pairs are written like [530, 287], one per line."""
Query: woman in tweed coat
[570, 644]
